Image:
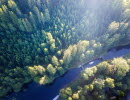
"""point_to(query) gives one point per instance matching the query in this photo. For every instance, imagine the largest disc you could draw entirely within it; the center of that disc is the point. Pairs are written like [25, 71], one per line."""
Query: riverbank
[35, 91]
[99, 81]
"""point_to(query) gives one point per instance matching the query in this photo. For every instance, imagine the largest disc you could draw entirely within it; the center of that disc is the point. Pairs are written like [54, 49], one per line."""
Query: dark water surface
[35, 91]
[127, 96]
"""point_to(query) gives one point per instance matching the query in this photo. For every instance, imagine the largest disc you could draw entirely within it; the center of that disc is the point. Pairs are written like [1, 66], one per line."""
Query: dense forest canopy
[41, 39]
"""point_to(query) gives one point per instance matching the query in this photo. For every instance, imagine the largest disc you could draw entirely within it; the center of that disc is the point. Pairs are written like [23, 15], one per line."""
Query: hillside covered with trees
[41, 39]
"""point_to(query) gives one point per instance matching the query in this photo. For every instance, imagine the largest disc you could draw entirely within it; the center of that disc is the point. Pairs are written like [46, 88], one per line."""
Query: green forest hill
[41, 39]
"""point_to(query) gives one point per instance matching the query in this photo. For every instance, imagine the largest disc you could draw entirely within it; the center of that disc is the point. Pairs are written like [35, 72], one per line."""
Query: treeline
[102, 82]
[80, 52]
[43, 38]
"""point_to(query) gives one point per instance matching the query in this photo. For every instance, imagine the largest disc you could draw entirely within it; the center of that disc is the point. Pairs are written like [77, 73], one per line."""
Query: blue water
[35, 91]
[127, 96]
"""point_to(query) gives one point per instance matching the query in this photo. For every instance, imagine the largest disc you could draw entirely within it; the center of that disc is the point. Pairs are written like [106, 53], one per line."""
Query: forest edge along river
[35, 91]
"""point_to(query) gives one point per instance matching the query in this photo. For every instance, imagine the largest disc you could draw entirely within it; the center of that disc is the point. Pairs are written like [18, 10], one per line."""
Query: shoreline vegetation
[99, 83]
[41, 39]
[74, 82]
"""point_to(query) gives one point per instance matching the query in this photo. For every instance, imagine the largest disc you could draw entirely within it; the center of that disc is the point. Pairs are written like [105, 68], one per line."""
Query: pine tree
[47, 15]
[12, 4]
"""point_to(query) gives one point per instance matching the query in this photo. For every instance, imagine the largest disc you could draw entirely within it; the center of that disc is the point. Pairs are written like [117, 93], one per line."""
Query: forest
[40, 40]
[100, 82]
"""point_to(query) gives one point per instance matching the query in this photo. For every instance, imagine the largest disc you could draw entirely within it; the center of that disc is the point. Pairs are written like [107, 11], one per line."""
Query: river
[36, 91]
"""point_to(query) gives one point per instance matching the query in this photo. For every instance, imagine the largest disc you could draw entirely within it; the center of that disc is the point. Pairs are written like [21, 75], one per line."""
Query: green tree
[126, 14]
[102, 67]
[52, 48]
[27, 60]
[120, 68]
[46, 52]
[114, 26]
[70, 98]
[99, 84]
[59, 53]
[67, 57]
[47, 15]
[40, 69]
[42, 18]
[109, 82]
[65, 93]
[55, 61]
[75, 96]
[82, 46]
[12, 4]
[51, 69]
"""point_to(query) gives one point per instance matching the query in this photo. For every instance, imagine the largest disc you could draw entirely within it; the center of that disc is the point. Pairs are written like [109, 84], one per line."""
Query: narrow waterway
[127, 96]
[35, 91]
